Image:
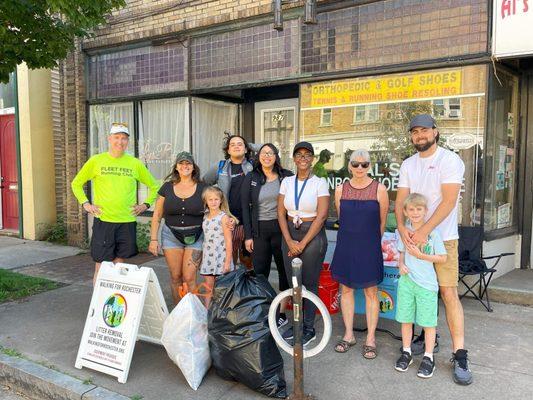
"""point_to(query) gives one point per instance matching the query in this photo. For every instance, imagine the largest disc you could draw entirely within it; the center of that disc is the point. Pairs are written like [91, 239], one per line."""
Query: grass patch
[15, 286]
[10, 352]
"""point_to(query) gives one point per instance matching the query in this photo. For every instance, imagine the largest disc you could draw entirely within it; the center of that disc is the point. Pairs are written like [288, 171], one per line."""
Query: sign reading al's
[512, 28]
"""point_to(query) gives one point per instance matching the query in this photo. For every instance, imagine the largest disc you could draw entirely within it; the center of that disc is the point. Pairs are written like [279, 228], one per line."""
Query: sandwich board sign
[127, 305]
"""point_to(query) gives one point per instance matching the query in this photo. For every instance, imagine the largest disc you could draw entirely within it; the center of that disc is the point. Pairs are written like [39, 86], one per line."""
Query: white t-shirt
[426, 175]
[316, 187]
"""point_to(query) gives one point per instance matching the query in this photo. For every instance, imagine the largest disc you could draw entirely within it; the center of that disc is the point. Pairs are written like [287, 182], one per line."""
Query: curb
[40, 382]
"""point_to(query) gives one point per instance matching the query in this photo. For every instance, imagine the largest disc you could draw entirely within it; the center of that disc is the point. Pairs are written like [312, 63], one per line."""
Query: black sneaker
[461, 373]
[282, 320]
[418, 346]
[288, 334]
[403, 362]
[426, 369]
[308, 336]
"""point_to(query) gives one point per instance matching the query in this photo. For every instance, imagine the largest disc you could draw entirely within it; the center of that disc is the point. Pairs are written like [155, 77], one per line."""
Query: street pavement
[47, 327]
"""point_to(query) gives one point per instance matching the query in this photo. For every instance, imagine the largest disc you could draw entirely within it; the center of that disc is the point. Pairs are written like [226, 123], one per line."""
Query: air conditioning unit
[454, 114]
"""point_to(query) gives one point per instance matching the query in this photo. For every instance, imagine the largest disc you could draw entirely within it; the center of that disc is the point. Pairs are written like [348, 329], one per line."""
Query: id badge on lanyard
[296, 220]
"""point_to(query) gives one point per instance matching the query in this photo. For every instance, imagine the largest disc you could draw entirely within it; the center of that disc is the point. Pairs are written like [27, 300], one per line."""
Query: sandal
[369, 352]
[343, 346]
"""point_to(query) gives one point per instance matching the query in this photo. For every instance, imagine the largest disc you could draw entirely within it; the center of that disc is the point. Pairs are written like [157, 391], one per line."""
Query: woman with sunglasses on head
[362, 204]
[302, 210]
[259, 196]
[180, 204]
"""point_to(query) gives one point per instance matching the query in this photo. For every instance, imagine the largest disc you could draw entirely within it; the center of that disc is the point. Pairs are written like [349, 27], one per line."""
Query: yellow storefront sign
[391, 88]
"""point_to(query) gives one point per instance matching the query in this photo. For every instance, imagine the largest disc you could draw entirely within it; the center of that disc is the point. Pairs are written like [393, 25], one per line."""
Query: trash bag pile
[241, 346]
[185, 339]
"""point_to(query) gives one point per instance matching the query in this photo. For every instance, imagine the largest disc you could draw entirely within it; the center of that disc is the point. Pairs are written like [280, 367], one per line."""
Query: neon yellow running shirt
[114, 182]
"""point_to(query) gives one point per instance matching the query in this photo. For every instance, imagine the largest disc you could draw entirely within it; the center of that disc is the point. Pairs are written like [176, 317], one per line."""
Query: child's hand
[227, 267]
[403, 269]
[414, 251]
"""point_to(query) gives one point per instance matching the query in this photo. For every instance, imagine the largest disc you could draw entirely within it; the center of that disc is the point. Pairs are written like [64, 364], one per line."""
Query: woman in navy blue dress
[362, 204]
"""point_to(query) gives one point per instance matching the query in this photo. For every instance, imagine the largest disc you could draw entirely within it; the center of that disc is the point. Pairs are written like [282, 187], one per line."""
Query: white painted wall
[510, 244]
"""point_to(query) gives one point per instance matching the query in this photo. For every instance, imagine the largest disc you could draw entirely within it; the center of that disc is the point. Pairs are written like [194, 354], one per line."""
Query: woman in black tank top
[180, 205]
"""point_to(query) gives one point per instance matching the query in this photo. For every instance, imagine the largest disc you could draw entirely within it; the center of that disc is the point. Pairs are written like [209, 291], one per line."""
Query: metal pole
[278, 14]
[297, 326]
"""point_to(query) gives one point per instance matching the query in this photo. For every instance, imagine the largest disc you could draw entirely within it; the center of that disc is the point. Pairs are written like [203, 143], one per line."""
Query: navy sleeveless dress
[358, 261]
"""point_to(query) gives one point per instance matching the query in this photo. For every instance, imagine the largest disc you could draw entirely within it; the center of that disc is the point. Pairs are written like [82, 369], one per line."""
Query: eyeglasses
[356, 164]
[267, 154]
[304, 156]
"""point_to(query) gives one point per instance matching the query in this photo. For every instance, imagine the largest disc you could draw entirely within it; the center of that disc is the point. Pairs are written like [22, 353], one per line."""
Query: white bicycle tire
[323, 311]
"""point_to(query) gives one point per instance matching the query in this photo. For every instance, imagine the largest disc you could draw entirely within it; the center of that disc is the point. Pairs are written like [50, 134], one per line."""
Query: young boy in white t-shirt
[418, 288]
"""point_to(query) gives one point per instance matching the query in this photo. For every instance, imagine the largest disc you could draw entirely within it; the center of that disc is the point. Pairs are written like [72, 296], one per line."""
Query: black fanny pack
[186, 236]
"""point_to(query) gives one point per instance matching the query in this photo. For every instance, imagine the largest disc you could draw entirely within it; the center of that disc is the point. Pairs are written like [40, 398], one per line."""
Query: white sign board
[124, 299]
[512, 28]
[461, 141]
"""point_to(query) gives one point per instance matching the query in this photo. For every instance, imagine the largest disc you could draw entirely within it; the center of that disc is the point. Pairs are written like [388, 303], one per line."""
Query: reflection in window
[325, 117]
[501, 152]
[382, 126]
[367, 113]
[447, 108]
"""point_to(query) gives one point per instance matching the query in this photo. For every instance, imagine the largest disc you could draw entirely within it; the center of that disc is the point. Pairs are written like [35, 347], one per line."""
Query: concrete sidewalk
[47, 328]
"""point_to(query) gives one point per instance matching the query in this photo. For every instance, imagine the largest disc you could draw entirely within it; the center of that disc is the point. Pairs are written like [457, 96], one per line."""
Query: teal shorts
[416, 304]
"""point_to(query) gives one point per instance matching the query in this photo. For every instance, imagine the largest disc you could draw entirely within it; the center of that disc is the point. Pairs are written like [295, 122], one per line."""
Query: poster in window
[501, 158]
[510, 124]
[504, 215]
[500, 180]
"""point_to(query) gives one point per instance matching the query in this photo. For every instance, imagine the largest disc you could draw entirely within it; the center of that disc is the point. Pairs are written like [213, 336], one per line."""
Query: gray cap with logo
[422, 120]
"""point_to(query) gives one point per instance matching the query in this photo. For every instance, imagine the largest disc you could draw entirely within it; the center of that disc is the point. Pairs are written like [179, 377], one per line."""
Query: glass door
[276, 122]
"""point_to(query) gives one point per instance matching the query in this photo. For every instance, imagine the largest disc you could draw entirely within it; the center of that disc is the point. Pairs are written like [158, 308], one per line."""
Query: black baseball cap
[423, 120]
[303, 145]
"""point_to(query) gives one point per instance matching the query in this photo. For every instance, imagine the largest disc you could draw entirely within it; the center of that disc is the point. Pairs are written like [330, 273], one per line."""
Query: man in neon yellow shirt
[114, 177]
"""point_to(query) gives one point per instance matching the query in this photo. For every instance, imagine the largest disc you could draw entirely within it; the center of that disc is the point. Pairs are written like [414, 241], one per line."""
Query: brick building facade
[222, 62]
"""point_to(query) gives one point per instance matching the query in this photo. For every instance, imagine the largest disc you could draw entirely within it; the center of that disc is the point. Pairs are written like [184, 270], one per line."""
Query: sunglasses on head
[356, 164]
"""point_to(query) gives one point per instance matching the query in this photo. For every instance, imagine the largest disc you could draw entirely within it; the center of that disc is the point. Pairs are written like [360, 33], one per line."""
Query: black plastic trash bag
[240, 342]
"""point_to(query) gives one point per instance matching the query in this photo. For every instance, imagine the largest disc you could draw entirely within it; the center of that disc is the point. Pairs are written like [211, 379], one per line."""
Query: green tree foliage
[395, 143]
[41, 32]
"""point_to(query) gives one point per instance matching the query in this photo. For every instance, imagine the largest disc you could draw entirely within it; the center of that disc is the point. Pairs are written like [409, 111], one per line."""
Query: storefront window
[163, 132]
[501, 152]
[373, 113]
[7, 93]
[101, 117]
[210, 119]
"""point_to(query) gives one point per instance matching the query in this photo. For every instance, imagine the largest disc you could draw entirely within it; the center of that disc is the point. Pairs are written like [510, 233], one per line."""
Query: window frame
[322, 113]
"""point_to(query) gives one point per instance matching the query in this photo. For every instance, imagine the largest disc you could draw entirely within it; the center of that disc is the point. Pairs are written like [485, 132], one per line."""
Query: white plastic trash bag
[185, 339]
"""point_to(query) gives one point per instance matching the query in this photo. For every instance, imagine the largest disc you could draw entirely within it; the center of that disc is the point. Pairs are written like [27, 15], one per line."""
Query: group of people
[252, 211]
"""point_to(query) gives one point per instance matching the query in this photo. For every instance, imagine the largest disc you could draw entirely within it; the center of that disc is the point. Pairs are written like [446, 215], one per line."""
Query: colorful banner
[390, 88]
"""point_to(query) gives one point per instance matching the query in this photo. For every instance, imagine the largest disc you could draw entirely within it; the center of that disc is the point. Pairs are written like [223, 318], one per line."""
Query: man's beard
[424, 146]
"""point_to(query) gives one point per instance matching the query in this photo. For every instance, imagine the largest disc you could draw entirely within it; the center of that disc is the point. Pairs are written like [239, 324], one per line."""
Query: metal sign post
[298, 293]
[297, 324]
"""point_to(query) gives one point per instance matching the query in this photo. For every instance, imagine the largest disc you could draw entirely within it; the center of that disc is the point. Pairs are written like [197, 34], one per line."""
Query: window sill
[364, 122]
[324, 125]
[500, 233]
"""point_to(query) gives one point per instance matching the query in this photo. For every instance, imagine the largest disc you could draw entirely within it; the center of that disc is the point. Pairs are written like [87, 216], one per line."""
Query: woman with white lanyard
[302, 210]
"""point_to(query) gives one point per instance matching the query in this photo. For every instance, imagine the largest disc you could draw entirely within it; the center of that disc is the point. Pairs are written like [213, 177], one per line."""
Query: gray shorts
[169, 241]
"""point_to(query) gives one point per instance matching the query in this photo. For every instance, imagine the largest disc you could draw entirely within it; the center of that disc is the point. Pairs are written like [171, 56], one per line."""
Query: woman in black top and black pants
[180, 204]
[262, 234]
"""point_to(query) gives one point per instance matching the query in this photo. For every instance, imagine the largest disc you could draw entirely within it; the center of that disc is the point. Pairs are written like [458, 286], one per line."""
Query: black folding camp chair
[472, 263]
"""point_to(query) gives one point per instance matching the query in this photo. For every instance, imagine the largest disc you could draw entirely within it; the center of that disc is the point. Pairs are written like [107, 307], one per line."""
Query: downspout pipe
[19, 164]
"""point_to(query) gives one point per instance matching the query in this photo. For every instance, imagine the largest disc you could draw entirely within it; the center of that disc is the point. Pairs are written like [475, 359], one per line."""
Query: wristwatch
[147, 205]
